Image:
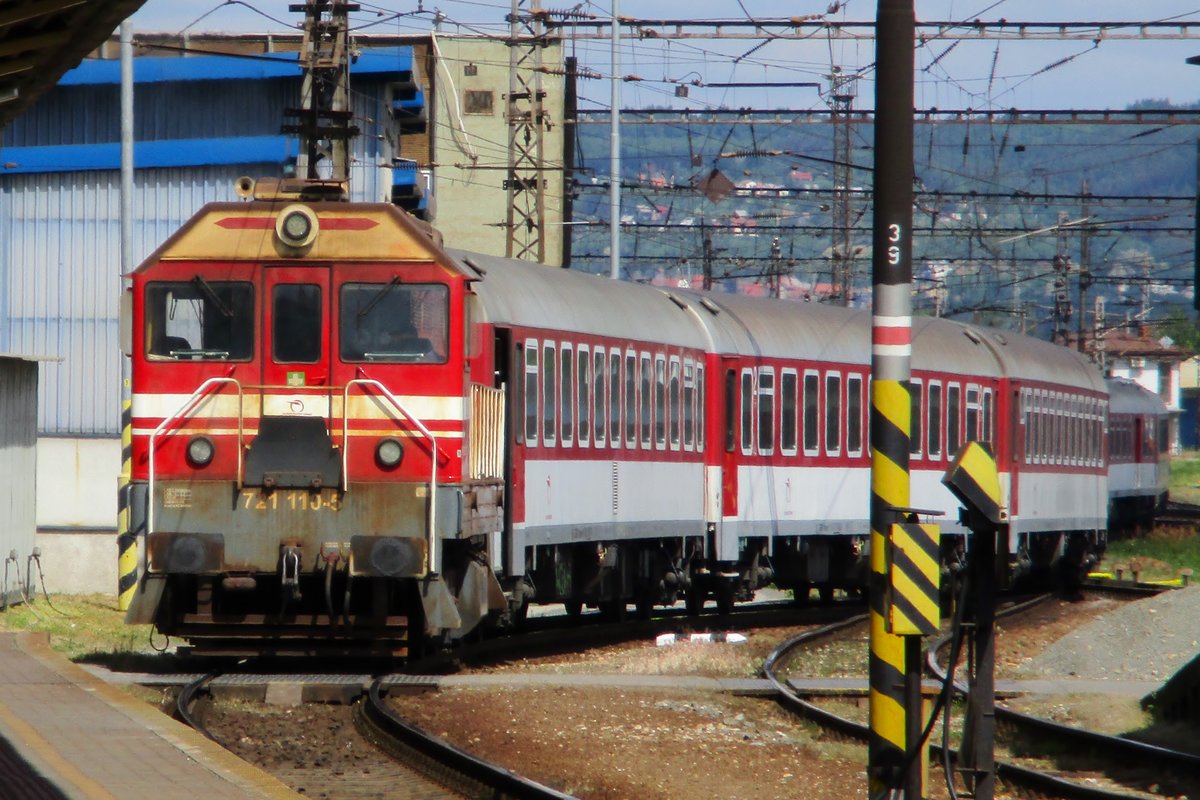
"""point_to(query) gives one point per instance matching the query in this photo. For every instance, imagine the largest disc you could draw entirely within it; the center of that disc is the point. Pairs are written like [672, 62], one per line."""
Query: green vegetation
[83, 628]
[1185, 478]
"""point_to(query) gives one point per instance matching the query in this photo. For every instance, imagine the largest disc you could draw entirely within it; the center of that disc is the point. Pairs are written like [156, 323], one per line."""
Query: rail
[434, 453]
[189, 405]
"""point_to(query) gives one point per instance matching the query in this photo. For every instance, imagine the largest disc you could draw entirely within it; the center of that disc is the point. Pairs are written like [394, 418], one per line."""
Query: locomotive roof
[1129, 397]
[515, 292]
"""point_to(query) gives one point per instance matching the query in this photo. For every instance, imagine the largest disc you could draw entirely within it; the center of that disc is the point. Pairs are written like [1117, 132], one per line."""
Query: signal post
[895, 642]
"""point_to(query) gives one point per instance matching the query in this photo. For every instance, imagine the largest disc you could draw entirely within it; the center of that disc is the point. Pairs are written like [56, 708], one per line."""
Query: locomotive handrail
[434, 452]
[187, 406]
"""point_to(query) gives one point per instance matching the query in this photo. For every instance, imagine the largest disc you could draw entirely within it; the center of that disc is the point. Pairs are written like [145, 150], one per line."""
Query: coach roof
[527, 294]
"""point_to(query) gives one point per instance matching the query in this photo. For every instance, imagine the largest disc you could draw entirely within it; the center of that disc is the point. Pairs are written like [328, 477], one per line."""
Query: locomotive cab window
[199, 320]
[394, 322]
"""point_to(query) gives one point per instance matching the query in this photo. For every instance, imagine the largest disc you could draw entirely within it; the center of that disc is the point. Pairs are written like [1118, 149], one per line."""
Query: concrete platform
[65, 733]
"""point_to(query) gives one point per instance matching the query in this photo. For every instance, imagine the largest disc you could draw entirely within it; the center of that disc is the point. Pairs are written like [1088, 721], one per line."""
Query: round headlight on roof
[296, 226]
[200, 451]
[389, 452]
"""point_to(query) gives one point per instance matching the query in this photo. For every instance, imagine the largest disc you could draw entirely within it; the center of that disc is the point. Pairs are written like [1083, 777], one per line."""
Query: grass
[1167, 549]
[1185, 477]
[85, 628]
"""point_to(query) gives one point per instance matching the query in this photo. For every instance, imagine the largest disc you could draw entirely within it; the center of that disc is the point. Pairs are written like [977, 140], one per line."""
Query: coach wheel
[694, 601]
[574, 607]
[825, 590]
[800, 595]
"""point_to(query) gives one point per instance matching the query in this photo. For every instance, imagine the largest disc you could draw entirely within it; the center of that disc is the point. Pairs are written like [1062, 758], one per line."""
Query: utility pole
[570, 132]
[1062, 267]
[776, 268]
[706, 236]
[841, 99]
[1085, 273]
[324, 114]
[526, 188]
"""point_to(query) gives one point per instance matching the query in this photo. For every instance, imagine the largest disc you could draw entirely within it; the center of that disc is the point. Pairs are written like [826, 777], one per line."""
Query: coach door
[730, 416]
[296, 346]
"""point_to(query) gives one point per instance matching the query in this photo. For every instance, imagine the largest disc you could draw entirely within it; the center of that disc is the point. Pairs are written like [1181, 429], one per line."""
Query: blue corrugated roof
[148, 155]
[163, 69]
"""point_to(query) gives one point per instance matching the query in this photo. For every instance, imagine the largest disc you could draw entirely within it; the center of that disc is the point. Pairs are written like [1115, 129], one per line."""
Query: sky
[972, 74]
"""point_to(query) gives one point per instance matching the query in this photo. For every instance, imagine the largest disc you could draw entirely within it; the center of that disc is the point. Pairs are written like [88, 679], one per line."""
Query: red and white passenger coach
[348, 437]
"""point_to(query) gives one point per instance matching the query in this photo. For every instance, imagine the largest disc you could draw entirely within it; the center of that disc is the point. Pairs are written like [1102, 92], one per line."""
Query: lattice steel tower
[526, 184]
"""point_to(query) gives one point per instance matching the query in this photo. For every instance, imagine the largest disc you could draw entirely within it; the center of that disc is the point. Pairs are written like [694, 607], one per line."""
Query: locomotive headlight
[200, 451]
[389, 452]
[296, 226]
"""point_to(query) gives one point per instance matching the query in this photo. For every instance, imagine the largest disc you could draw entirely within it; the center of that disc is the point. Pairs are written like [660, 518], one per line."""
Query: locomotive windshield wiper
[382, 293]
[211, 294]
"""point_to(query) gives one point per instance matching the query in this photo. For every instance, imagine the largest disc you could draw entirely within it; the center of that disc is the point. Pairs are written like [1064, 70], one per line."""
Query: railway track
[462, 774]
[1183, 767]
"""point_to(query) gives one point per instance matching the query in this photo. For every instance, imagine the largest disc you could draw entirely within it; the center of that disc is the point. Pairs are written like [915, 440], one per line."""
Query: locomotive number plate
[291, 500]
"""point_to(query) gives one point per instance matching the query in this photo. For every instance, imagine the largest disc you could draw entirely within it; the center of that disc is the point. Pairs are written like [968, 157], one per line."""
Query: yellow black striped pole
[127, 556]
[891, 353]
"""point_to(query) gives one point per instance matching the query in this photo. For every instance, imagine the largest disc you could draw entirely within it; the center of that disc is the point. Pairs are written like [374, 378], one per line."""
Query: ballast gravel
[1145, 640]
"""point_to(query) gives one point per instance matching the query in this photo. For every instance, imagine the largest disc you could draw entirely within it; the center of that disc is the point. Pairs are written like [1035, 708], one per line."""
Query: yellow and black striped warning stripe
[127, 556]
[890, 425]
[913, 609]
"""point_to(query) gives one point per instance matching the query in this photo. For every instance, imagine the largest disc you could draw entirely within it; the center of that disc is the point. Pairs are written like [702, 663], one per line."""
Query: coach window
[914, 438]
[689, 404]
[531, 391]
[854, 426]
[953, 417]
[699, 407]
[566, 397]
[812, 413]
[730, 410]
[599, 417]
[583, 392]
[933, 422]
[788, 392]
[988, 418]
[645, 387]
[1031, 429]
[973, 408]
[766, 411]
[614, 398]
[549, 417]
[833, 414]
[200, 320]
[673, 404]
[631, 409]
[660, 401]
[747, 412]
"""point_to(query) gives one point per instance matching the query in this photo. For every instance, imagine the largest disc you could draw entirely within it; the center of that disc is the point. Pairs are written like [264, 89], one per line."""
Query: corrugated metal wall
[60, 247]
[18, 396]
